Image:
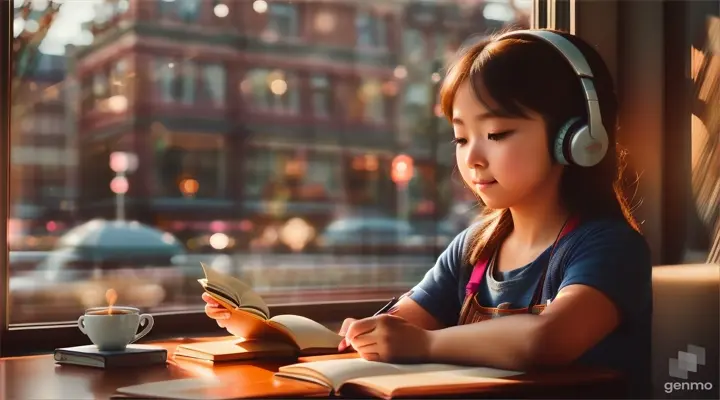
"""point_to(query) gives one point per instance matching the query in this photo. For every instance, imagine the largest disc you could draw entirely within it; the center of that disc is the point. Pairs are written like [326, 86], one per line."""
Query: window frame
[6, 13]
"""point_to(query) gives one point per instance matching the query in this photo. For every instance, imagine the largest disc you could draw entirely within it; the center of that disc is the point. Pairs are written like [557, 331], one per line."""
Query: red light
[402, 169]
[119, 185]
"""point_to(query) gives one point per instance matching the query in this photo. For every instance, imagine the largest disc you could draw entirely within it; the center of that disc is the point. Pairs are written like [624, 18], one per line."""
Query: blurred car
[431, 236]
[132, 259]
[374, 235]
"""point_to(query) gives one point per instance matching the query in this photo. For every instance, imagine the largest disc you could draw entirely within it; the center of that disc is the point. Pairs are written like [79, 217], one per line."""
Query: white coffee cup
[112, 331]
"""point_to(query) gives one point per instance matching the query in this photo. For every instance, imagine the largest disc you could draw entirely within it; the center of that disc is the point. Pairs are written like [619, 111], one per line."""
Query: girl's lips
[481, 185]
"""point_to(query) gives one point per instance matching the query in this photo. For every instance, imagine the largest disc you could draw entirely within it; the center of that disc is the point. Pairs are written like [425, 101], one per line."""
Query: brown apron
[472, 311]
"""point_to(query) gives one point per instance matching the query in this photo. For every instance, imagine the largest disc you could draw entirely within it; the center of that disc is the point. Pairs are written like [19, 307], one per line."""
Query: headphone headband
[579, 64]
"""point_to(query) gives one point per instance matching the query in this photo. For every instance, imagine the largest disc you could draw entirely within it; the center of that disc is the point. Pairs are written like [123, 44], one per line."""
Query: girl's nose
[475, 157]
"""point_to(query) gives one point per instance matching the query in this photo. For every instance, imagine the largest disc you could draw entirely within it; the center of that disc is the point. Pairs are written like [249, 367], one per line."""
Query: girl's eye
[459, 141]
[499, 135]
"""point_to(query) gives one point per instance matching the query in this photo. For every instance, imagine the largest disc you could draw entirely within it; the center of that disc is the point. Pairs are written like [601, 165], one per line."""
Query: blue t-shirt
[606, 254]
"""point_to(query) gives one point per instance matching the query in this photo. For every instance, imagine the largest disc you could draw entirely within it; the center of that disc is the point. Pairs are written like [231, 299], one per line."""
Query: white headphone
[576, 143]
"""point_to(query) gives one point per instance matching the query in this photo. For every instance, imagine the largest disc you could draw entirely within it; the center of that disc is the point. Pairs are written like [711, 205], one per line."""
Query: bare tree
[26, 44]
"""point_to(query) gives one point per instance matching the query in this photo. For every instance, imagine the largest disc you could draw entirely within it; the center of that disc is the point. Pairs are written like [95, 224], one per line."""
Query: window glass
[268, 159]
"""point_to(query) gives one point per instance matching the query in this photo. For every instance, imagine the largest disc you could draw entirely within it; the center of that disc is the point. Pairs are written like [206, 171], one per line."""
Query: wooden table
[38, 377]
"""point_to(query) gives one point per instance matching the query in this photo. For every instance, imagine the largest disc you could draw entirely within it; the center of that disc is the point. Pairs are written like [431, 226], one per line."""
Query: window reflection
[264, 134]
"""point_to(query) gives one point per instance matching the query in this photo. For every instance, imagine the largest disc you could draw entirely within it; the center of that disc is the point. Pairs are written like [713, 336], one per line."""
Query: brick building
[262, 111]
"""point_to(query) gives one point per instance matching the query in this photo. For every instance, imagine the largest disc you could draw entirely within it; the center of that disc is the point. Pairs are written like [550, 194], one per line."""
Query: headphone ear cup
[561, 149]
[585, 150]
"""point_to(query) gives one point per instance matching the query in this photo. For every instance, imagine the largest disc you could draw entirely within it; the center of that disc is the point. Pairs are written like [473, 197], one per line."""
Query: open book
[387, 381]
[259, 334]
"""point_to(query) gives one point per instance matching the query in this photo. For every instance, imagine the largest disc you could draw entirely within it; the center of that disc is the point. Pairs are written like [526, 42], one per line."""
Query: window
[175, 81]
[371, 30]
[188, 10]
[373, 101]
[274, 91]
[283, 19]
[321, 95]
[304, 141]
[184, 10]
[190, 166]
[213, 83]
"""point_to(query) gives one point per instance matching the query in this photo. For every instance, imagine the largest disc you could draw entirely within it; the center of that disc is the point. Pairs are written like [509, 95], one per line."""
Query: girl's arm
[576, 320]
[412, 312]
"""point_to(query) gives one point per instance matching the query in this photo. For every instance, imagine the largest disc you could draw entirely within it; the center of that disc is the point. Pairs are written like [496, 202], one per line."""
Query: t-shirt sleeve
[614, 259]
[437, 292]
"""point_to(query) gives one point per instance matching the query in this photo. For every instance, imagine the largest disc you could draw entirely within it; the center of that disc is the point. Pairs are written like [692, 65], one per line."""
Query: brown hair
[525, 73]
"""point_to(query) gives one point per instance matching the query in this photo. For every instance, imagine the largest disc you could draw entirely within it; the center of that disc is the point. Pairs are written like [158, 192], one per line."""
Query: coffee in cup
[113, 328]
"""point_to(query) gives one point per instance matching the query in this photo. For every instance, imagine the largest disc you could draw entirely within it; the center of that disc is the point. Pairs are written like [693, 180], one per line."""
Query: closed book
[134, 355]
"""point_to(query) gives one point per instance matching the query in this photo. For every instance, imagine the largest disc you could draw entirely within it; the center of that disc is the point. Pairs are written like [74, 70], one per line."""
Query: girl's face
[505, 160]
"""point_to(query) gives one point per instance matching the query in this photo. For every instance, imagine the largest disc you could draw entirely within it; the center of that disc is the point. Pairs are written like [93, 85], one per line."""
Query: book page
[306, 333]
[337, 372]
[459, 380]
[240, 293]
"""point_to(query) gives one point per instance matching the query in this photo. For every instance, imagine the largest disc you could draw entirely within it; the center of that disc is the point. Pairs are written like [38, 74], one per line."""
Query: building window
[188, 10]
[371, 30]
[283, 20]
[415, 47]
[185, 10]
[165, 79]
[189, 74]
[190, 165]
[175, 81]
[100, 88]
[121, 85]
[258, 172]
[272, 90]
[212, 84]
[321, 95]
[372, 101]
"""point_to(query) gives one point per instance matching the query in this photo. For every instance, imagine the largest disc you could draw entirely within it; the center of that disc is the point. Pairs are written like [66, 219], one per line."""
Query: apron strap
[476, 277]
[570, 225]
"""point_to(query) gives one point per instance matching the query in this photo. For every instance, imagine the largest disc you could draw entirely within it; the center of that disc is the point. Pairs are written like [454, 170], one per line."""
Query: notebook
[384, 380]
[260, 335]
[135, 355]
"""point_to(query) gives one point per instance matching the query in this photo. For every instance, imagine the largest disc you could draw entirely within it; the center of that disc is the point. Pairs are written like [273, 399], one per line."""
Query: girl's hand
[214, 310]
[344, 344]
[224, 317]
[388, 338]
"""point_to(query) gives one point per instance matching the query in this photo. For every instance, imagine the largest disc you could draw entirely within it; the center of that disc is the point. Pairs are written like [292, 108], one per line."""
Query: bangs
[505, 77]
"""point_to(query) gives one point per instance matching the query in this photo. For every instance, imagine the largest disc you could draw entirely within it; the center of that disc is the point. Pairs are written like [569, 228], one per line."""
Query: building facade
[255, 112]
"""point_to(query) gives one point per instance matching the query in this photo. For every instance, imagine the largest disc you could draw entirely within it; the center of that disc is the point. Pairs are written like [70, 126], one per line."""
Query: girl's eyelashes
[491, 136]
[499, 135]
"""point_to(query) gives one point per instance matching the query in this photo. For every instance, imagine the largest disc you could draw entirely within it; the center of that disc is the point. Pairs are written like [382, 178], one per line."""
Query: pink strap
[479, 270]
[476, 277]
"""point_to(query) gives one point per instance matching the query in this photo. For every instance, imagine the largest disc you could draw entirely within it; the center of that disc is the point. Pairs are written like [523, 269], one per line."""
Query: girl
[556, 252]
